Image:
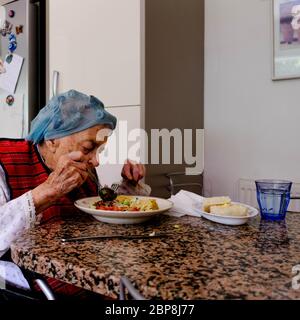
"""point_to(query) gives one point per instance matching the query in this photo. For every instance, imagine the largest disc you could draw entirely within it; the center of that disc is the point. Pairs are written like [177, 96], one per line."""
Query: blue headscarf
[69, 113]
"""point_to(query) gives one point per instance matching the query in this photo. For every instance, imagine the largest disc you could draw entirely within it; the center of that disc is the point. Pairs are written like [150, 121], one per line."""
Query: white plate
[229, 220]
[124, 217]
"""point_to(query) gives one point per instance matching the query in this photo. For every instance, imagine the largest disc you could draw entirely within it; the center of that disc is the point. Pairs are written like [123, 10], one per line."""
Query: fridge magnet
[19, 29]
[9, 58]
[7, 28]
[286, 39]
[12, 46]
[10, 100]
[12, 38]
[11, 13]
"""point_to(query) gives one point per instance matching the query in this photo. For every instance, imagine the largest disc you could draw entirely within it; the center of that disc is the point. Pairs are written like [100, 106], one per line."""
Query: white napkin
[184, 204]
[12, 274]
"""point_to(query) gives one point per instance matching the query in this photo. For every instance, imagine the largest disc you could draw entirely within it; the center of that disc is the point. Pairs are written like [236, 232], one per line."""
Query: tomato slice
[111, 207]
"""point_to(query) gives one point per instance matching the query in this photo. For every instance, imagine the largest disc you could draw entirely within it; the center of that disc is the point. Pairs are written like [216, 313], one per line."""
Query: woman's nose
[94, 160]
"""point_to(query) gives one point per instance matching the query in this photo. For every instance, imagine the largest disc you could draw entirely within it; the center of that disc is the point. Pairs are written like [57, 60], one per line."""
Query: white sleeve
[16, 215]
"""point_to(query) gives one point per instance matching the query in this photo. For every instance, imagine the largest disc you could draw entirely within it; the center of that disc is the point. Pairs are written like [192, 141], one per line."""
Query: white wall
[251, 123]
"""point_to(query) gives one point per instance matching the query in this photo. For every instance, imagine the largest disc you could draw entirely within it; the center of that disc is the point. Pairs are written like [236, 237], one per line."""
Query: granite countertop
[201, 260]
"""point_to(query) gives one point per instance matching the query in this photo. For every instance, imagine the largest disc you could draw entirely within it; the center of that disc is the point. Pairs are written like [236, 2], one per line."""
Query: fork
[115, 187]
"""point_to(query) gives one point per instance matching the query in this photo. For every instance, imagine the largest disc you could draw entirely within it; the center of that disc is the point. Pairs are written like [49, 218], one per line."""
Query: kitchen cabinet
[95, 46]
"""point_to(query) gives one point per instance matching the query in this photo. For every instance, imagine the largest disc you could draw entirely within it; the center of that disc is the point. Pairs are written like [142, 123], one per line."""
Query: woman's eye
[87, 150]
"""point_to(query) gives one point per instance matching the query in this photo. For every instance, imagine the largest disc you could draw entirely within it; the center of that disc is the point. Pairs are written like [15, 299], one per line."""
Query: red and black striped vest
[25, 170]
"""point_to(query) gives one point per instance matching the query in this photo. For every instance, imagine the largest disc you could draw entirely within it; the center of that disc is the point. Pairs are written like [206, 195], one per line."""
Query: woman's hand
[69, 174]
[133, 171]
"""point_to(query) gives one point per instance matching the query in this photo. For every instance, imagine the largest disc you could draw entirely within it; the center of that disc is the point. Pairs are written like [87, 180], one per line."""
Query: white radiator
[247, 194]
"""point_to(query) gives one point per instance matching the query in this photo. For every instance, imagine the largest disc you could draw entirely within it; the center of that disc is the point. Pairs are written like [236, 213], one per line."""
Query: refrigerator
[23, 73]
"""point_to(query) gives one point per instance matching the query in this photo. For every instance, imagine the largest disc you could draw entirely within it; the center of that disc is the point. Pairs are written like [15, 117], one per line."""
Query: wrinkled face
[90, 142]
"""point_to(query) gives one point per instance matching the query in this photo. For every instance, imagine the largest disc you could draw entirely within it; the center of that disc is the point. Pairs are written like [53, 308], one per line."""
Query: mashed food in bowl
[223, 206]
[128, 203]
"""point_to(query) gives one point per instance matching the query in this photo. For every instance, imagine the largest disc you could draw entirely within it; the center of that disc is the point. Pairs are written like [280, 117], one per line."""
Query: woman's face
[90, 142]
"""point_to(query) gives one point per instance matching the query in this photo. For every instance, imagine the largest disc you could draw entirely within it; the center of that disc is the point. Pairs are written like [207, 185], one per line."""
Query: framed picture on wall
[286, 39]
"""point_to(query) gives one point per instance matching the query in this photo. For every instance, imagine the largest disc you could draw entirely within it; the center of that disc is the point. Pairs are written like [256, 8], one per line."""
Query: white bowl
[229, 220]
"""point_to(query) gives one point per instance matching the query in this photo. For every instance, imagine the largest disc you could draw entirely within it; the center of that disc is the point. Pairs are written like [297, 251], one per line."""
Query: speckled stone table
[201, 260]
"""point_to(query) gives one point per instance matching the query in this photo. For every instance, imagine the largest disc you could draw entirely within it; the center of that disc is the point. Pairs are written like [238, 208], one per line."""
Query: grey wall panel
[174, 74]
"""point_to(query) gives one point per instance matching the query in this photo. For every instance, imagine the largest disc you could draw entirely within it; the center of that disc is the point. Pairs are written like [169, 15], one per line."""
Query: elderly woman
[42, 176]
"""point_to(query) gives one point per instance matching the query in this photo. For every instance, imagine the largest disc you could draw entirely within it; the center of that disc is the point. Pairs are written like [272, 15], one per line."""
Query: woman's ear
[52, 145]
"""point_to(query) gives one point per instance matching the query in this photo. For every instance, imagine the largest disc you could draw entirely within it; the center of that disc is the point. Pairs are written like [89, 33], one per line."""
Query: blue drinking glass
[273, 197]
